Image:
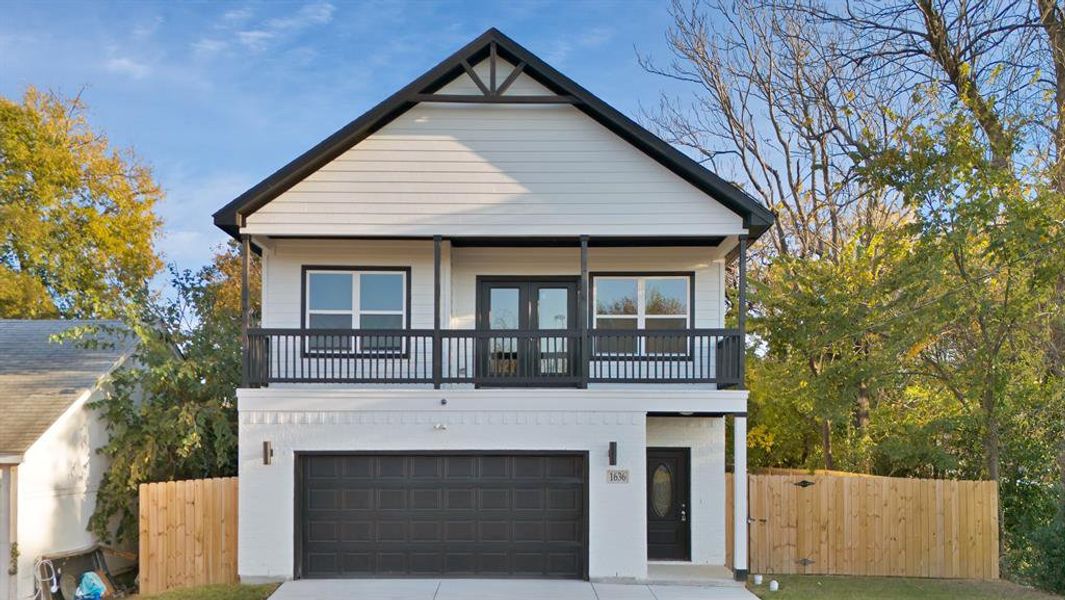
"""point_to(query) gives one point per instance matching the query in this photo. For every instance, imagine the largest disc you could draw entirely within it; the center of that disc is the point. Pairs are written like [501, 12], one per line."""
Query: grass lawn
[217, 592]
[884, 588]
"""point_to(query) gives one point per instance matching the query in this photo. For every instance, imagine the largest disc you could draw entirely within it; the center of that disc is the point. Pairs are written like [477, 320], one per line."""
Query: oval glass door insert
[661, 490]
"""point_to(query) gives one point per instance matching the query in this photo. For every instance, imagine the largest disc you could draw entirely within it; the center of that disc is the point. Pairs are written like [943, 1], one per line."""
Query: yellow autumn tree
[77, 226]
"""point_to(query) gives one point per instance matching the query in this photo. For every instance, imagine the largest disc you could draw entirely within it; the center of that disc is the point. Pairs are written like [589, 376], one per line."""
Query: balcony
[493, 358]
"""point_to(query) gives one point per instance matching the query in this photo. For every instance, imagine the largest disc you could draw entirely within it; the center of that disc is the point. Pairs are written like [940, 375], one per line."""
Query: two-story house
[493, 340]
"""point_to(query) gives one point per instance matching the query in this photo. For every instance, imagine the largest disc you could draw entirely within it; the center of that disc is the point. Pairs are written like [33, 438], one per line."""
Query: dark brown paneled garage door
[446, 514]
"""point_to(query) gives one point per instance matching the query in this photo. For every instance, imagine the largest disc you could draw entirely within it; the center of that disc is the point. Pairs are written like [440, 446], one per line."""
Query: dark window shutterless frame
[305, 270]
[690, 275]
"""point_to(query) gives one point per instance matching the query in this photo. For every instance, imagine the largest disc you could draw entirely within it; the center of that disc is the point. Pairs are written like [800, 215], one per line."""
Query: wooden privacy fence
[845, 524]
[825, 524]
[188, 533]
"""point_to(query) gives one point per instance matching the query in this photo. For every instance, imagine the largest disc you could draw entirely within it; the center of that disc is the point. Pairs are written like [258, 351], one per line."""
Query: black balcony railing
[538, 358]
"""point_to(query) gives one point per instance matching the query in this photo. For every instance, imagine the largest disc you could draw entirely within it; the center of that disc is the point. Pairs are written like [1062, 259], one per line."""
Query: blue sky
[216, 96]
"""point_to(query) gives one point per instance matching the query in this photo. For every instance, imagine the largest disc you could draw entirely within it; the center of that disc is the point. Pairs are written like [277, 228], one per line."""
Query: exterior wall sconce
[613, 454]
[268, 453]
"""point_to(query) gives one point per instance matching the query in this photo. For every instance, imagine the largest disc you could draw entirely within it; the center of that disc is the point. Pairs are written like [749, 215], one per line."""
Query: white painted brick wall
[706, 438]
[617, 519]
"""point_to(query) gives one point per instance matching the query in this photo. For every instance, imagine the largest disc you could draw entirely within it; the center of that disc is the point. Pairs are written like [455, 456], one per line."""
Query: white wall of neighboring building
[706, 439]
[7, 522]
[56, 488]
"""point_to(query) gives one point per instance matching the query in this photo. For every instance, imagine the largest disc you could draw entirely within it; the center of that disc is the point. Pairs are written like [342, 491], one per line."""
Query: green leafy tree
[76, 215]
[827, 356]
[171, 413]
[985, 271]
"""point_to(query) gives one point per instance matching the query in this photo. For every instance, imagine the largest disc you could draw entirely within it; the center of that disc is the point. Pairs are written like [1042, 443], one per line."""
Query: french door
[527, 331]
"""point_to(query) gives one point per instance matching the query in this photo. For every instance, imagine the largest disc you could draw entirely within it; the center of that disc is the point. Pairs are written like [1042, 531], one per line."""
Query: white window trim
[641, 316]
[355, 312]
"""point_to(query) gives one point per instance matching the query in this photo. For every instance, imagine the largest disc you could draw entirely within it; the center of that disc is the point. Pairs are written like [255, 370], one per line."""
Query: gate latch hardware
[806, 562]
[804, 483]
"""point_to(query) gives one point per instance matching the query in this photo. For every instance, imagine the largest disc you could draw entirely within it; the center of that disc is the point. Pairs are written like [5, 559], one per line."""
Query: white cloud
[258, 38]
[146, 30]
[237, 14]
[255, 39]
[596, 36]
[313, 14]
[206, 47]
[128, 66]
[187, 238]
[558, 52]
[561, 49]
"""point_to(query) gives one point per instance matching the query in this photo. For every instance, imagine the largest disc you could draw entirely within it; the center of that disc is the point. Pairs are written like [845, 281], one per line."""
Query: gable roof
[756, 217]
[41, 379]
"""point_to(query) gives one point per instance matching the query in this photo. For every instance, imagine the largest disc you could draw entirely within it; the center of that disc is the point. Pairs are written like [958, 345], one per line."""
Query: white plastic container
[774, 586]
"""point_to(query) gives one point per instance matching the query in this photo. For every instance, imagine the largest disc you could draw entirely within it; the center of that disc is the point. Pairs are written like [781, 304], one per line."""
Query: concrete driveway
[496, 589]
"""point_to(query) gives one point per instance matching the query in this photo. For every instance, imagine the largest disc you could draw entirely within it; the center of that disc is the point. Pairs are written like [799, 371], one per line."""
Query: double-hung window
[356, 299]
[642, 304]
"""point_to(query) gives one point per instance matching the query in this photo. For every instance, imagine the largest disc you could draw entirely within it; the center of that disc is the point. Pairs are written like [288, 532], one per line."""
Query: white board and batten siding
[493, 170]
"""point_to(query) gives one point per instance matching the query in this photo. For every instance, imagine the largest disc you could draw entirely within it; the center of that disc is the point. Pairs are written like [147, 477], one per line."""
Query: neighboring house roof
[41, 379]
[756, 217]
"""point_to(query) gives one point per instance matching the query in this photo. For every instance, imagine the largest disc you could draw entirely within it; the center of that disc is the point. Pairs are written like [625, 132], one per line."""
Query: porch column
[245, 307]
[582, 314]
[739, 433]
[741, 310]
[739, 496]
[438, 354]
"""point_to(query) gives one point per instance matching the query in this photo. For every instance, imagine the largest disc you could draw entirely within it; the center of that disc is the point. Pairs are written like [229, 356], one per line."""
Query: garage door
[457, 515]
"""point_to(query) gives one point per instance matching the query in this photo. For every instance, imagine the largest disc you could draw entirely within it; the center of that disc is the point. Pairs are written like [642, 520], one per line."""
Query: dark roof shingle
[40, 379]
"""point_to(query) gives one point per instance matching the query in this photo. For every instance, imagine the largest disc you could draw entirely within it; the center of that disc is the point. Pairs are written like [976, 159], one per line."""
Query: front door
[668, 487]
[535, 320]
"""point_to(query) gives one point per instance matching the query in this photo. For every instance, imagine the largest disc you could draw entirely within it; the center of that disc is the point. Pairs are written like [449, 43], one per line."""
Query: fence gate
[188, 534]
[846, 524]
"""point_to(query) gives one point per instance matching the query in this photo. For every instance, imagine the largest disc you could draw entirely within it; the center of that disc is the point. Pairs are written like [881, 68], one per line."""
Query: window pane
[666, 344]
[381, 291]
[615, 296]
[333, 343]
[616, 344]
[552, 308]
[384, 342]
[662, 490]
[616, 323]
[329, 321]
[329, 291]
[666, 296]
[381, 322]
[503, 308]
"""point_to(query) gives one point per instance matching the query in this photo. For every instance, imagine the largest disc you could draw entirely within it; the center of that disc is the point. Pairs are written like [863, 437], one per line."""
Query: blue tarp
[91, 587]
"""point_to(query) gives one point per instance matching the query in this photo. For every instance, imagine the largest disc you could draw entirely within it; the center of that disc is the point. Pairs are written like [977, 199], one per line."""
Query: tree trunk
[861, 417]
[861, 422]
[826, 444]
[991, 435]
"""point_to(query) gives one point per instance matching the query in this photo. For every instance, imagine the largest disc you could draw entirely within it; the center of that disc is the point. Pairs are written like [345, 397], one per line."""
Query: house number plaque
[617, 475]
